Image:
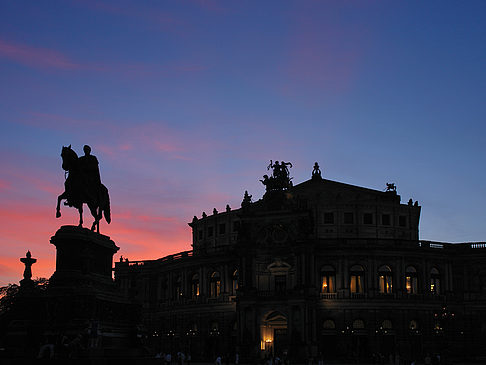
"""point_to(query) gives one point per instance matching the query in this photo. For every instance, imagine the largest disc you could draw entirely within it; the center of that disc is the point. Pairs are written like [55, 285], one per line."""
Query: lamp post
[443, 320]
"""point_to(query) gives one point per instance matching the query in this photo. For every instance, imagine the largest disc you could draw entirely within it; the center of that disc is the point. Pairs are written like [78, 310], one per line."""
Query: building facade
[321, 268]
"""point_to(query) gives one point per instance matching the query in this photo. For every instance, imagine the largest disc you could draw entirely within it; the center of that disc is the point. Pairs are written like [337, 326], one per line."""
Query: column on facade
[184, 283]
[425, 275]
[202, 283]
[303, 269]
[370, 288]
[346, 275]
[340, 275]
[313, 274]
[226, 278]
[398, 277]
[170, 279]
[447, 277]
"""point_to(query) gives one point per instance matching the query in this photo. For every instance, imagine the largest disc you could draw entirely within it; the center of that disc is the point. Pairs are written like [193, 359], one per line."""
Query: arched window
[387, 324]
[357, 279]
[385, 278]
[358, 324]
[329, 324]
[195, 286]
[435, 281]
[328, 279]
[192, 330]
[214, 328]
[215, 284]
[234, 280]
[413, 325]
[411, 280]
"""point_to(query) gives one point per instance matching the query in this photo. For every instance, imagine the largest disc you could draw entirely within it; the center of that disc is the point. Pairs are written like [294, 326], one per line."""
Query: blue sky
[185, 102]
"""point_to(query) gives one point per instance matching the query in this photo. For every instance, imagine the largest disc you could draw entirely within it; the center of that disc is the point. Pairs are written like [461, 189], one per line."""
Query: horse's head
[69, 157]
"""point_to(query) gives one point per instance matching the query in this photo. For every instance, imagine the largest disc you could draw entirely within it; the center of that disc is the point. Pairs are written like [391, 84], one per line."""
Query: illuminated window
[411, 280]
[357, 279]
[387, 324]
[195, 286]
[358, 324]
[328, 278]
[214, 328]
[328, 324]
[435, 281]
[385, 278]
[215, 285]
[192, 329]
[413, 325]
[235, 281]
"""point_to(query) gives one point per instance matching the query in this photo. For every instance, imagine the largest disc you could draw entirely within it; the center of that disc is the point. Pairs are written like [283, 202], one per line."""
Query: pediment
[279, 266]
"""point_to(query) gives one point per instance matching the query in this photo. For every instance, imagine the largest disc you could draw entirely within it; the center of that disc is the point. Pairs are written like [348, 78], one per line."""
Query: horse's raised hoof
[58, 214]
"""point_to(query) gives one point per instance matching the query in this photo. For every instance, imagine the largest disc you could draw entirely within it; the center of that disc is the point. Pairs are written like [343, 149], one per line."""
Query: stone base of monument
[82, 299]
[83, 258]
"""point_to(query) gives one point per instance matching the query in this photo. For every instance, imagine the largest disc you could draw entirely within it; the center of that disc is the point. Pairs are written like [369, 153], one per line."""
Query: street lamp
[443, 320]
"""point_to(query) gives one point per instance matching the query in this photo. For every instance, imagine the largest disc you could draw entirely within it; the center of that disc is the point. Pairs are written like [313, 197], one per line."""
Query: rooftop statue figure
[391, 187]
[316, 173]
[280, 179]
[83, 185]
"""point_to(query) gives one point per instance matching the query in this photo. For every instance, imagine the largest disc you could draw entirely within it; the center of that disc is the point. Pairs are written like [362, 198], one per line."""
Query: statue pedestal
[83, 299]
[83, 257]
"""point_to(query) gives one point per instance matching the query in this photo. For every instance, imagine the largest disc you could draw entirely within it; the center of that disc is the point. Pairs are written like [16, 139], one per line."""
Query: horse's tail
[105, 206]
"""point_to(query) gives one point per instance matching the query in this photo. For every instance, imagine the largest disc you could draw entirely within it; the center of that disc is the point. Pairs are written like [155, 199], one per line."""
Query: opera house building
[317, 269]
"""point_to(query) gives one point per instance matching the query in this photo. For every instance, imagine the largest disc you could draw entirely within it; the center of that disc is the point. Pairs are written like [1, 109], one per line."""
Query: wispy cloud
[36, 56]
[147, 136]
[51, 59]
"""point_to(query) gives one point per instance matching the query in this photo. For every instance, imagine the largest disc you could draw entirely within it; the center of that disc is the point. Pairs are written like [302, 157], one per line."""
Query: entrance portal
[274, 337]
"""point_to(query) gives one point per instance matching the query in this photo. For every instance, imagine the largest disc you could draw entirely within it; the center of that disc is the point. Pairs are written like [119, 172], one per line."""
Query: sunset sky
[185, 102]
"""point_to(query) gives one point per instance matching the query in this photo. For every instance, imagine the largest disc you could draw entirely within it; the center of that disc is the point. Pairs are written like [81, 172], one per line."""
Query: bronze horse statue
[80, 189]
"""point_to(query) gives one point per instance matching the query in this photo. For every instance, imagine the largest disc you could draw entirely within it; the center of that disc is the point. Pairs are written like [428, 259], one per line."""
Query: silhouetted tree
[10, 292]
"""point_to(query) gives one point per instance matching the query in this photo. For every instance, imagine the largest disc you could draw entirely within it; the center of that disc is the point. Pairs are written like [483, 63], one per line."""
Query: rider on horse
[83, 185]
[90, 172]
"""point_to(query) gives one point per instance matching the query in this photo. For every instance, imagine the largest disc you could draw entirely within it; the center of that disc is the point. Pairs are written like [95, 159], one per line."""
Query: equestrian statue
[83, 185]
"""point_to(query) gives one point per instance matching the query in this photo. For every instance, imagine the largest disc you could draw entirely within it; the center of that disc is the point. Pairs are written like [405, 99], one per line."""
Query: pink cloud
[45, 58]
[150, 136]
[36, 56]
[28, 225]
[31, 180]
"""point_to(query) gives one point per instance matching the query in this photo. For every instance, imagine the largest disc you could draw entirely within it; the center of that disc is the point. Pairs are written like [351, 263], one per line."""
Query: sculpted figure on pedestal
[83, 185]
